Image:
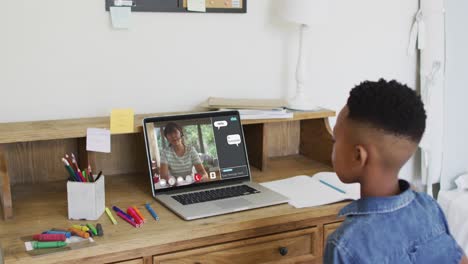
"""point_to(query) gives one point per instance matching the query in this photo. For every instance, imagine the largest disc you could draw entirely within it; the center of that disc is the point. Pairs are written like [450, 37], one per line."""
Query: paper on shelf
[263, 114]
[307, 191]
[98, 139]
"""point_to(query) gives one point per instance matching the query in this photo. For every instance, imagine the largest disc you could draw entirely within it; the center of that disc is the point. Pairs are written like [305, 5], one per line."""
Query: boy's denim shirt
[406, 228]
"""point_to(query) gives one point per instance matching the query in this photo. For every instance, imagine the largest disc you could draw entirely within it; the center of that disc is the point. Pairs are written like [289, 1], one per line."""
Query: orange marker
[80, 233]
[139, 214]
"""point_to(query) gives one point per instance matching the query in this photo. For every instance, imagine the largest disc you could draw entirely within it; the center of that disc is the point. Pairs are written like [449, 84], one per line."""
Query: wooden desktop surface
[44, 206]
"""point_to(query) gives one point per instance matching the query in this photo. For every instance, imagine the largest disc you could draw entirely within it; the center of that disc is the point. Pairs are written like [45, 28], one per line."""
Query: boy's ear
[360, 155]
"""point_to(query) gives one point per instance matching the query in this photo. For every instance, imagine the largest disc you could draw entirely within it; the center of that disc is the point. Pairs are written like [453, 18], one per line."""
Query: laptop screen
[195, 149]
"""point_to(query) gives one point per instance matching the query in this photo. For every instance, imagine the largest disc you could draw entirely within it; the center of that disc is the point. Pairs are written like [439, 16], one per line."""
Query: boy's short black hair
[390, 106]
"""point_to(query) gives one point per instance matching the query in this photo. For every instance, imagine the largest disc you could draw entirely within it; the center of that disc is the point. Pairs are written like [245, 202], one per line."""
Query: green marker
[84, 175]
[52, 244]
[92, 228]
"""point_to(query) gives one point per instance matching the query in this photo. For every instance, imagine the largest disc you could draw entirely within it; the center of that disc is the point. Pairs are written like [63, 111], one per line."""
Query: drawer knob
[283, 251]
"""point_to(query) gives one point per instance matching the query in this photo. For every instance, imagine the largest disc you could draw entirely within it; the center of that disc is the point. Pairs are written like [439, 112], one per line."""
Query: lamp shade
[307, 12]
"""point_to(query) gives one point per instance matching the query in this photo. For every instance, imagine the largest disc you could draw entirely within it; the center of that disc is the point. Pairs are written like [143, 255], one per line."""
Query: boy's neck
[380, 184]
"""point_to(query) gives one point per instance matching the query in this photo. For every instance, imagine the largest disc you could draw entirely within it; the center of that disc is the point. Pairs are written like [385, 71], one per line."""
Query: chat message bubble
[234, 139]
[220, 124]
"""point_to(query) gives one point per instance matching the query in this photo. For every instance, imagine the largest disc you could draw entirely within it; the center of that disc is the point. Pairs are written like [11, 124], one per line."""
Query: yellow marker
[109, 213]
[80, 227]
[138, 213]
[122, 121]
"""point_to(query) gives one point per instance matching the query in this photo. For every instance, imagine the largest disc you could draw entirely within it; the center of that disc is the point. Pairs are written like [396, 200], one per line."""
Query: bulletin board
[212, 6]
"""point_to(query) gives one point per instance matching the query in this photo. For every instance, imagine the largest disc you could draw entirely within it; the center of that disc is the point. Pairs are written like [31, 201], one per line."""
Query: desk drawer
[328, 229]
[291, 247]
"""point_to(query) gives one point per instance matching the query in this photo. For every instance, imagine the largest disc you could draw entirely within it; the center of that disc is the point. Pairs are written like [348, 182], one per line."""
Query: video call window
[185, 152]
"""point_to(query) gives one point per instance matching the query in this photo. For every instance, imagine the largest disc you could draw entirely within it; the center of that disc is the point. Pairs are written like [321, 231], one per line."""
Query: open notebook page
[308, 191]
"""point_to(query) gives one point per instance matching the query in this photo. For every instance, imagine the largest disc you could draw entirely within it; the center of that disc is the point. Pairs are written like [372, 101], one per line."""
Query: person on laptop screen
[178, 159]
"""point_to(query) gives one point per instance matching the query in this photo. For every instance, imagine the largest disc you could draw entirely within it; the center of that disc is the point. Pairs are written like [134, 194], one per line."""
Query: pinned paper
[196, 5]
[120, 16]
[98, 139]
[122, 121]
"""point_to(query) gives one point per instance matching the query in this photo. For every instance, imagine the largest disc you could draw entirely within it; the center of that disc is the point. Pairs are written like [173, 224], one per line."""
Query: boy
[375, 135]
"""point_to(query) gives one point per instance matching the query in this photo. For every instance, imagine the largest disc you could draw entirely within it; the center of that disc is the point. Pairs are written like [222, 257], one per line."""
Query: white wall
[61, 59]
[456, 92]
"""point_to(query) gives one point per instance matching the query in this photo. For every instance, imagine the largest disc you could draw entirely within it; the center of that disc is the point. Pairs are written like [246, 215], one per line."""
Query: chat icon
[220, 124]
[234, 139]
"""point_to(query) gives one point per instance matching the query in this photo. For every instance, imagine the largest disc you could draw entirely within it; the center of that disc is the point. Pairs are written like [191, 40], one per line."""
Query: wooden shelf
[76, 128]
[43, 206]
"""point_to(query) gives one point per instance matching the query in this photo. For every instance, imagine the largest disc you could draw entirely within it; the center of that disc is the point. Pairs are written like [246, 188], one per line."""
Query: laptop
[199, 167]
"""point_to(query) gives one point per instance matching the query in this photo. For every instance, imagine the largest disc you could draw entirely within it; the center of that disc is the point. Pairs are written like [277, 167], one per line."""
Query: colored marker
[134, 215]
[152, 212]
[49, 237]
[100, 231]
[84, 175]
[331, 186]
[80, 227]
[128, 220]
[66, 233]
[90, 173]
[78, 232]
[117, 210]
[55, 244]
[139, 214]
[109, 214]
[92, 228]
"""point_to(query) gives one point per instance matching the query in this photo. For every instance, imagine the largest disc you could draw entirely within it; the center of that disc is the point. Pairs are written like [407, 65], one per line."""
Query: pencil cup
[86, 200]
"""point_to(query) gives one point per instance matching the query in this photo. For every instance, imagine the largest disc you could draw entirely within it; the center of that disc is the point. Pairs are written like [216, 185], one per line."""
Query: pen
[152, 212]
[331, 186]
[98, 176]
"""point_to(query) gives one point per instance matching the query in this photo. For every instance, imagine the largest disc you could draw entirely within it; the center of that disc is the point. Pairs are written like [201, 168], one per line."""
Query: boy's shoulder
[418, 213]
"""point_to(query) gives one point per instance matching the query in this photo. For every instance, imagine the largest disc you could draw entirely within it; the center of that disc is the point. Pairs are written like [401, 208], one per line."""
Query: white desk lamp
[305, 13]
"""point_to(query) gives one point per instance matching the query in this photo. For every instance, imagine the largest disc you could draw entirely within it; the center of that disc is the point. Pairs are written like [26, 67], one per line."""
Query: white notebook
[319, 189]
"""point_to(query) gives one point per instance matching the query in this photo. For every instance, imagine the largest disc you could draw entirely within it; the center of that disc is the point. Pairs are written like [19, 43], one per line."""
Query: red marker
[135, 216]
[49, 237]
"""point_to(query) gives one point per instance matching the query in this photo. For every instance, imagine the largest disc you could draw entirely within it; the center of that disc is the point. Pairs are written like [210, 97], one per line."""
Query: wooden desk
[34, 179]
[244, 237]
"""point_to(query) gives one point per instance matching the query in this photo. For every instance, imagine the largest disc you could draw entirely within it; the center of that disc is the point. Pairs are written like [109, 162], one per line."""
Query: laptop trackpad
[233, 203]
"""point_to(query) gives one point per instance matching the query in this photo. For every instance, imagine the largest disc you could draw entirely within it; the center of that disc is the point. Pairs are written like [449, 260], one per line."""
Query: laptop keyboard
[215, 194]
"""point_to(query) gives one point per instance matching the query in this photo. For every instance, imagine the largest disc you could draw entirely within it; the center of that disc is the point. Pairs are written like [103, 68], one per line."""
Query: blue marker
[331, 186]
[152, 212]
[120, 211]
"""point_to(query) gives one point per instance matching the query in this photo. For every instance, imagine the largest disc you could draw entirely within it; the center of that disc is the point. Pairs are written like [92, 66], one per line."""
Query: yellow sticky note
[122, 121]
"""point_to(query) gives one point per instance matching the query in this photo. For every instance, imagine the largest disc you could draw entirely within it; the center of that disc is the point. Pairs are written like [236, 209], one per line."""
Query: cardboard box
[86, 200]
